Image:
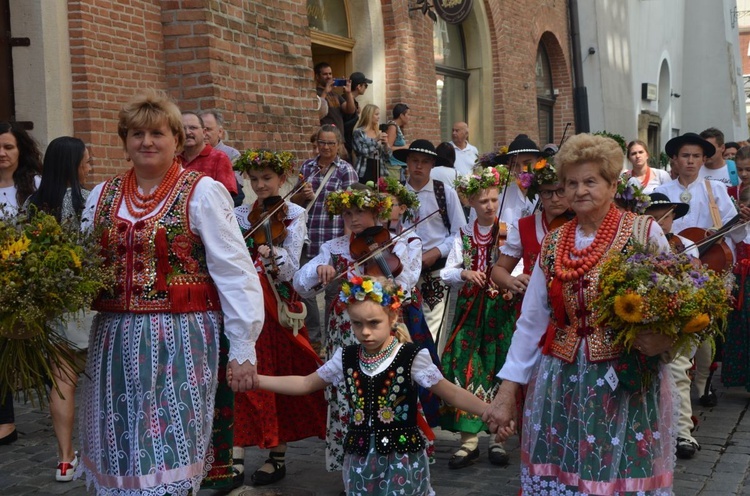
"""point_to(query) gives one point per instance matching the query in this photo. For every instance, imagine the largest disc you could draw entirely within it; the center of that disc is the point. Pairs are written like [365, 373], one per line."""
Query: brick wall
[252, 60]
[517, 27]
[116, 47]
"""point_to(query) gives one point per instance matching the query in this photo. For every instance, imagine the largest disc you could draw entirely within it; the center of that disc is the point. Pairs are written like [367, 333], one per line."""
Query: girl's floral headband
[542, 172]
[257, 160]
[630, 196]
[338, 201]
[481, 178]
[362, 288]
[391, 186]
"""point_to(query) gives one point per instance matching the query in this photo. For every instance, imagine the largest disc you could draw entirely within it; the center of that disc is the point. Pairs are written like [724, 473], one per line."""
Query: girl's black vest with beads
[383, 407]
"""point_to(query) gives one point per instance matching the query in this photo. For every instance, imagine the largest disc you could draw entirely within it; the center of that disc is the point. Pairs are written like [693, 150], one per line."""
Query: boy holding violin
[710, 208]
[483, 324]
[369, 250]
[274, 230]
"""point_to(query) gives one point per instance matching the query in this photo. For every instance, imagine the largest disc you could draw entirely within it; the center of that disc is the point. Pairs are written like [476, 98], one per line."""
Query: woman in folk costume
[275, 231]
[526, 234]
[405, 207]
[585, 431]
[483, 324]
[183, 273]
[362, 210]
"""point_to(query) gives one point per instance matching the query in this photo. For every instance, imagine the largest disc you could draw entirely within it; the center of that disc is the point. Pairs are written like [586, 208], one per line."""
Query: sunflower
[629, 307]
[697, 323]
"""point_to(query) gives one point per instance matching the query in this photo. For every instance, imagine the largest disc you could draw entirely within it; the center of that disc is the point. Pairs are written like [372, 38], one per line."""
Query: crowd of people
[186, 368]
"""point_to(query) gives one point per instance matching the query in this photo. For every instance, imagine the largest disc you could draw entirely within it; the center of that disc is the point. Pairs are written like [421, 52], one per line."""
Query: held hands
[242, 377]
[326, 273]
[519, 284]
[473, 276]
[500, 416]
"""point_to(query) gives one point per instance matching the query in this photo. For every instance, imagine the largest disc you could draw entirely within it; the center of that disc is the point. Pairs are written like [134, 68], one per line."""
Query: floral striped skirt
[582, 437]
[148, 402]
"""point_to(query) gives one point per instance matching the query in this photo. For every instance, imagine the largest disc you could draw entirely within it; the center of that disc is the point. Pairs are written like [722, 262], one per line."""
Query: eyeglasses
[327, 143]
[547, 193]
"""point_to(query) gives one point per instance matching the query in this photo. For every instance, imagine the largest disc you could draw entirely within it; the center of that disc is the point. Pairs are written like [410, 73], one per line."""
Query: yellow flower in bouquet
[644, 290]
[48, 272]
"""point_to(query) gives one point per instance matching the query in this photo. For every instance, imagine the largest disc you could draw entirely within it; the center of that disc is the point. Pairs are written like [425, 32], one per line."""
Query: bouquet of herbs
[663, 292]
[48, 271]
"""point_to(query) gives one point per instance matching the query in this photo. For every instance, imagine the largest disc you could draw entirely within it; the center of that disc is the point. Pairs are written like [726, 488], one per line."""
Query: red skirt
[265, 419]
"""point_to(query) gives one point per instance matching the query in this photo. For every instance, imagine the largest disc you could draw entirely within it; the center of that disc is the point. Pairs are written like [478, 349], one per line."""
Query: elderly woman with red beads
[583, 430]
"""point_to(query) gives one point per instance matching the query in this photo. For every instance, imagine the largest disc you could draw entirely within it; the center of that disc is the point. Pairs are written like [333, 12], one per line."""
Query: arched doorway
[553, 89]
[545, 96]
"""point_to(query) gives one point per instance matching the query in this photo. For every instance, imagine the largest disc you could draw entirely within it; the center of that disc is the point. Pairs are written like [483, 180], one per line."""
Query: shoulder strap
[715, 216]
[442, 202]
[328, 175]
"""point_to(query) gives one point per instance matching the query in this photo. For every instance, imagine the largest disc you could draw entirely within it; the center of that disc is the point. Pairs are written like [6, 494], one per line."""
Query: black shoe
[10, 438]
[462, 461]
[498, 455]
[686, 449]
[709, 400]
[261, 478]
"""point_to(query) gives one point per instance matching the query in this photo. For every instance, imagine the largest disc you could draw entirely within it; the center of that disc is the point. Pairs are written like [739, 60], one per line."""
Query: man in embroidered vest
[710, 208]
[436, 232]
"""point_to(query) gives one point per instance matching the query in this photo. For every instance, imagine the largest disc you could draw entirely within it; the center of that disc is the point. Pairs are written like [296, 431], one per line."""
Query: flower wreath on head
[257, 160]
[390, 186]
[542, 172]
[630, 196]
[358, 288]
[337, 201]
[481, 178]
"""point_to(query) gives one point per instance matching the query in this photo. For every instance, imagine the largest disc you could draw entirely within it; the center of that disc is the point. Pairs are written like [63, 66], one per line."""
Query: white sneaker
[66, 470]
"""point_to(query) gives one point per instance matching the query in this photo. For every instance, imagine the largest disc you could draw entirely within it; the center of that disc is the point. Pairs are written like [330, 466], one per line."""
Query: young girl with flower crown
[483, 325]
[405, 207]
[362, 210]
[265, 419]
[378, 375]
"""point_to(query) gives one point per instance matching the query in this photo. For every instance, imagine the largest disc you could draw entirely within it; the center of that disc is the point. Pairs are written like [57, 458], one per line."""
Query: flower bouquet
[48, 271]
[630, 196]
[662, 292]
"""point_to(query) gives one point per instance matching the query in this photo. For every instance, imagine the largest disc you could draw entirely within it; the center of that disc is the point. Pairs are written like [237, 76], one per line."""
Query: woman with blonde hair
[585, 431]
[185, 285]
[370, 145]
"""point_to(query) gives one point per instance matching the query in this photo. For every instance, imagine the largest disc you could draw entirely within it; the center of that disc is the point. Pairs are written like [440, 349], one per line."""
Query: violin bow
[278, 207]
[320, 286]
[729, 227]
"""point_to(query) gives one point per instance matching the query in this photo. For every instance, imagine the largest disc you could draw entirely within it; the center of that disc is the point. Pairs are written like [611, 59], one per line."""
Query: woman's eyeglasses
[327, 143]
[547, 193]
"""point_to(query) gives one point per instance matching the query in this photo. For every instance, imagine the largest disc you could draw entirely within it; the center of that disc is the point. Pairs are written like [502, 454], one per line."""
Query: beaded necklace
[567, 268]
[372, 362]
[146, 203]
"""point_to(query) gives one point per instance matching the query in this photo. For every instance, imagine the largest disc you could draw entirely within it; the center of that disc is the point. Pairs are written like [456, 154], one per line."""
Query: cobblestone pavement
[720, 468]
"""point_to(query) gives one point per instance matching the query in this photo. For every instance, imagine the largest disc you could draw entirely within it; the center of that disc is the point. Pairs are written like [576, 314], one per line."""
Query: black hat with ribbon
[420, 146]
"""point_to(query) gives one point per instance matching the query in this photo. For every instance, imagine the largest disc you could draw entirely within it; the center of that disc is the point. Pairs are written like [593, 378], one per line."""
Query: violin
[384, 262]
[712, 249]
[561, 219]
[268, 220]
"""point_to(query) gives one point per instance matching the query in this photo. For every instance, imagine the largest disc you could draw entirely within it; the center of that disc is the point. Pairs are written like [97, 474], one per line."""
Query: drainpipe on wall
[580, 96]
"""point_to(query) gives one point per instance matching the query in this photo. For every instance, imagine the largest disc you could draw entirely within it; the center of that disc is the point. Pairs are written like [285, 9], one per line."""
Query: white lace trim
[428, 377]
[242, 351]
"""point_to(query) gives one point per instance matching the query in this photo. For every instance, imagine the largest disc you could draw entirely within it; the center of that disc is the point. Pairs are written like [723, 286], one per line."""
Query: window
[330, 34]
[452, 76]
[545, 96]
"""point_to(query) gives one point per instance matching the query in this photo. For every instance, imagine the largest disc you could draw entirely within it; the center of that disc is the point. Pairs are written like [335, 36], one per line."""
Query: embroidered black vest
[383, 406]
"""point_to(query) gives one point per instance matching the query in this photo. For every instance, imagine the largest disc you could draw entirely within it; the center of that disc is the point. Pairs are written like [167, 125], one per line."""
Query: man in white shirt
[716, 168]
[436, 233]
[466, 153]
[689, 152]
